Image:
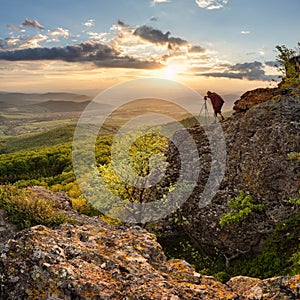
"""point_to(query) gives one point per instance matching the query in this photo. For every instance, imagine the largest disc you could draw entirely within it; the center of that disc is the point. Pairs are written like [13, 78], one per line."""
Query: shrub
[26, 209]
[279, 257]
[242, 207]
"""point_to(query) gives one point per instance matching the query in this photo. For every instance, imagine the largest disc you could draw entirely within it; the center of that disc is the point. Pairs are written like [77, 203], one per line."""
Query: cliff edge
[261, 139]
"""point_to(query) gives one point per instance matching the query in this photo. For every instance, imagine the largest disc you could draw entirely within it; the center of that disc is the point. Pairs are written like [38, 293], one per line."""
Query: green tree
[138, 159]
[288, 66]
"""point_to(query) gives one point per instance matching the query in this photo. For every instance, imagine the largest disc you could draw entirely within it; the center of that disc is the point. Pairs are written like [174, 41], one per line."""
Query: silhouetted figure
[216, 102]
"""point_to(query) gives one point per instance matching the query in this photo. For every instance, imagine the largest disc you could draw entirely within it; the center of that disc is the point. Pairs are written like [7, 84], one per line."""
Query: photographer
[217, 103]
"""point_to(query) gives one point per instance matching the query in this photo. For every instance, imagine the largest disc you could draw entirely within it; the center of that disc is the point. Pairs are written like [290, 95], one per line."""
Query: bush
[242, 207]
[81, 205]
[26, 209]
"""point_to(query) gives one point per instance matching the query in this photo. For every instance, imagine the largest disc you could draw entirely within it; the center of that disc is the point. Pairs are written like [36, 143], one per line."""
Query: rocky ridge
[261, 139]
[91, 259]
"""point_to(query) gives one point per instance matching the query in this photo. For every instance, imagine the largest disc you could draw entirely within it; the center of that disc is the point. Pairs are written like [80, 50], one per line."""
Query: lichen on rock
[91, 259]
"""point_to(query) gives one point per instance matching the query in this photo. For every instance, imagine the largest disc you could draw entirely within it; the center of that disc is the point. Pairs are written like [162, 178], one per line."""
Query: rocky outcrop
[259, 145]
[90, 259]
[96, 261]
[251, 98]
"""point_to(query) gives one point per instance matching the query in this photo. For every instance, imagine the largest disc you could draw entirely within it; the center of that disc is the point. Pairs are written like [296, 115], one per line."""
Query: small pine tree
[288, 66]
[242, 207]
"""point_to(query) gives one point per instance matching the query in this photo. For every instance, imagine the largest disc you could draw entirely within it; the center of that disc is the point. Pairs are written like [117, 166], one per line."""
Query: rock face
[93, 260]
[259, 145]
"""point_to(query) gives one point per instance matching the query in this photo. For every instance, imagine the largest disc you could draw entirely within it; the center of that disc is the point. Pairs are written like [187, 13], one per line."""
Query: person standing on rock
[216, 102]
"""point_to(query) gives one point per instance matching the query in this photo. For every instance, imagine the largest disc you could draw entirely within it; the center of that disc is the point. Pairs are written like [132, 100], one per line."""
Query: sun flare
[169, 72]
[173, 70]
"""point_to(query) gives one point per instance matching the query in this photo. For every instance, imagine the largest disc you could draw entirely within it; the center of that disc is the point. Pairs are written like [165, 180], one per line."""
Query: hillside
[259, 237]
[26, 114]
[52, 137]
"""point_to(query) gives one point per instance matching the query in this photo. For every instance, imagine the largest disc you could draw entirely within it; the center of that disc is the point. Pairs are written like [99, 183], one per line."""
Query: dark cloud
[100, 54]
[156, 36]
[122, 24]
[250, 71]
[152, 35]
[87, 51]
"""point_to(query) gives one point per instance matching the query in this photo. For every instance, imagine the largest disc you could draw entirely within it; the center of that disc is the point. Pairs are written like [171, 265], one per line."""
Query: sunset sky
[87, 46]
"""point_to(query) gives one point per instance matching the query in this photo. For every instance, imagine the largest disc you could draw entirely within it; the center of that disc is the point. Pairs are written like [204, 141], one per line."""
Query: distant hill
[61, 106]
[21, 99]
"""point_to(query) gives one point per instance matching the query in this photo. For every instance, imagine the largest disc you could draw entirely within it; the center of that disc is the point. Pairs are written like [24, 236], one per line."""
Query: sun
[170, 72]
[173, 70]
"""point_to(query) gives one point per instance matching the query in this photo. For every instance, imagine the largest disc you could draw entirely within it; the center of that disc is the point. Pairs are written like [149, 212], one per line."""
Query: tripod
[206, 116]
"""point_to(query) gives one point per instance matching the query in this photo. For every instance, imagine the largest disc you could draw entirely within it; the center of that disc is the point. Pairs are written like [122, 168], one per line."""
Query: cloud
[122, 24]
[128, 62]
[153, 19]
[14, 27]
[245, 32]
[156, 36]
[124, 46]
[59, 32]
[32, 23]
[211, 4]
[196, 49]
[27, 23]
[21, 42]
[251, 71]
[154, 2]
[99, 54]
[89, 23]
[96, 35]
[87, 51]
